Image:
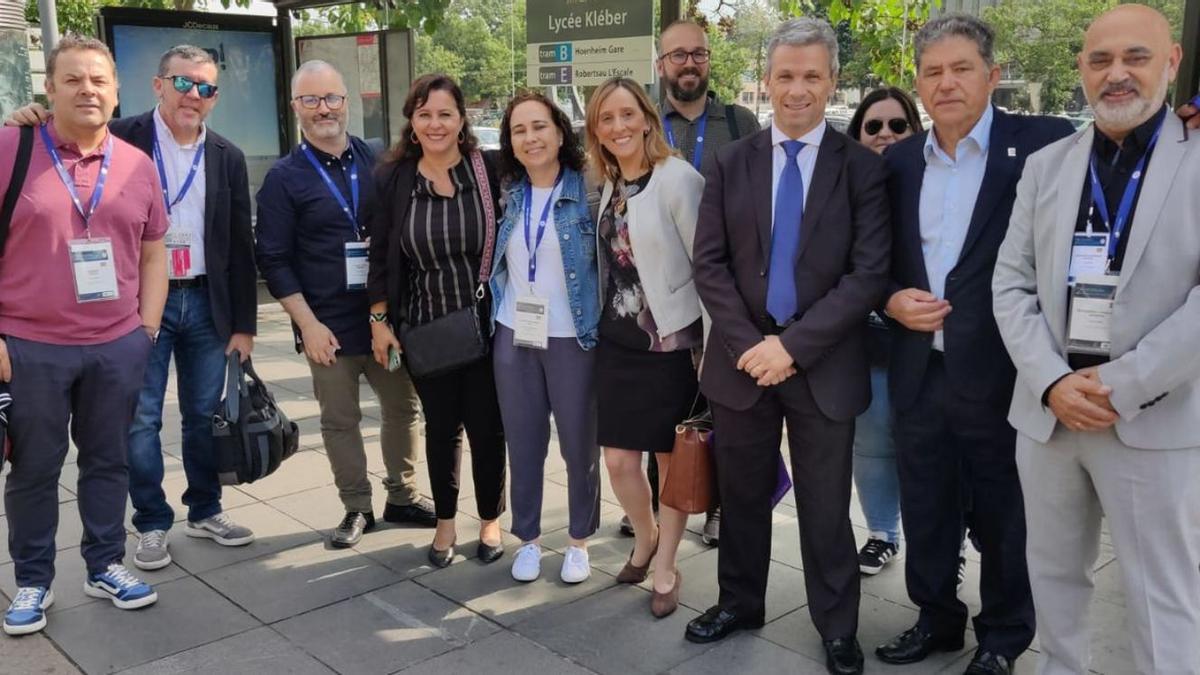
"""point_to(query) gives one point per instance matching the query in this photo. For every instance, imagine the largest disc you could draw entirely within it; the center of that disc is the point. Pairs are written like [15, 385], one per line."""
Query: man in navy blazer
[212, 303]
[950, 378]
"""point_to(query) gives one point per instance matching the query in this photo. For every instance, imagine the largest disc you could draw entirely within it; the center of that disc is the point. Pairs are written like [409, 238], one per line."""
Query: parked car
[489, 138]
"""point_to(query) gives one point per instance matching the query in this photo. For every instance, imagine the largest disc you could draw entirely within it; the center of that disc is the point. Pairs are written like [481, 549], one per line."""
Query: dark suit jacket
[977, 365]
[841, 271]
[228, 237]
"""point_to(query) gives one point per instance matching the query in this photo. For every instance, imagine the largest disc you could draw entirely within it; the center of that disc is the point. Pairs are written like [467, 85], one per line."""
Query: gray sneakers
[152, 551]
[221, 529]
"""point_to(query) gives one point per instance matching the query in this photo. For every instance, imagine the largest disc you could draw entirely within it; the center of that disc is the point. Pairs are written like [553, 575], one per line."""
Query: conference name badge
[1089, 328]
[179, 254]
[357, 265]
[533, 323]
[1089, 256]
[93, 269]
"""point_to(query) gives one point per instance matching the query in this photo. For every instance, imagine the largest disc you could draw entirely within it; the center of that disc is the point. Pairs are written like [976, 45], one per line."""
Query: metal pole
[668, 12]
[48, 16]
[1189, 70]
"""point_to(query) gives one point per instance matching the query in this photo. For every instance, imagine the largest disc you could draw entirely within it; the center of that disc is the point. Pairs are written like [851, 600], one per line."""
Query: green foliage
[729, 62]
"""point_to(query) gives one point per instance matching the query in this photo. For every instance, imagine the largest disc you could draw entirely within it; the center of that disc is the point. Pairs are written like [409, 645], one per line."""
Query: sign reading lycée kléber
[585, 42]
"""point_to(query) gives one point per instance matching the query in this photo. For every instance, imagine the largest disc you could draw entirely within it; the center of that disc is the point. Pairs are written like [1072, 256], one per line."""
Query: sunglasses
[680, 57]
[183, 84]
[898, 125]
[312, 102]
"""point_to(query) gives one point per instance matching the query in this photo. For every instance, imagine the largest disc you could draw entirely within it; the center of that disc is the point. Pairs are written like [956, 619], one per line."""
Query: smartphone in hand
[394, 362]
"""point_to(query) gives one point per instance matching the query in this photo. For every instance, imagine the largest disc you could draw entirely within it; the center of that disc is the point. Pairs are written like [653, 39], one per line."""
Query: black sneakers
[875, 554]
[350, 530]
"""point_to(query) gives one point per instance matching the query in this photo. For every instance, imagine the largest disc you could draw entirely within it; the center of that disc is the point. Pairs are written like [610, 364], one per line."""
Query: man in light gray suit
[1096, 295]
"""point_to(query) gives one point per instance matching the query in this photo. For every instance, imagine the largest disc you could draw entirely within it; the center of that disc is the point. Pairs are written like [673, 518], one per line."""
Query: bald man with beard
[1096, 296]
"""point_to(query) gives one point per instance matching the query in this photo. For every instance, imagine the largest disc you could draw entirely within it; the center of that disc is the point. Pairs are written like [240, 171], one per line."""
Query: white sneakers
[527, 564]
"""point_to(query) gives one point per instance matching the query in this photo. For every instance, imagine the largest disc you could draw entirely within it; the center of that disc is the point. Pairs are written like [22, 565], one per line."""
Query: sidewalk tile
[261, 650]
[273, 532]
[785, 585]
[500, 654]
[746, 654]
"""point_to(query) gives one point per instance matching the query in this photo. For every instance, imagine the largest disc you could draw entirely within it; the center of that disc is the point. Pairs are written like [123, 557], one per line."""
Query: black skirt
[641, 396]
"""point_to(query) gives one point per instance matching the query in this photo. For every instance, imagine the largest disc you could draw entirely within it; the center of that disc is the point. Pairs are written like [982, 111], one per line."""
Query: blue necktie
[785, 238]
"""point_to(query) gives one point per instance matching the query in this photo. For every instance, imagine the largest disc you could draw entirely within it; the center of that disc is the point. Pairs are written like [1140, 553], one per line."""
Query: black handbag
[456, 339]
[251, 435]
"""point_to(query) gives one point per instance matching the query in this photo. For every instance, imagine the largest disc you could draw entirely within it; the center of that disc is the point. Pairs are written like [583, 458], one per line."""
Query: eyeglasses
[680, 57]
[898, 125]
[332, 101]
[183, 84]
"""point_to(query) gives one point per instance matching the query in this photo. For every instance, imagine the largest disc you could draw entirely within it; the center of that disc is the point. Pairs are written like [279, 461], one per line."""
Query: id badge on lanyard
[93, 270]
[179, 253]
[357, 265]
[533, 323]
[1089, 326]
[1089, 256]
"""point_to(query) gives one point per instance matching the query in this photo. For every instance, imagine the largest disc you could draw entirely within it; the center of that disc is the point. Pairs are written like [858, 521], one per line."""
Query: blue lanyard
[1117, 227]
[187, 182]
[351, 212]
[698, 152]
[70, 182]
[541, 231]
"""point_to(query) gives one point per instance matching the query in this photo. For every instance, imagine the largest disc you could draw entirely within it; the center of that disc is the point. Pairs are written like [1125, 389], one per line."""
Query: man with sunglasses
[211, 304]
[314, 209]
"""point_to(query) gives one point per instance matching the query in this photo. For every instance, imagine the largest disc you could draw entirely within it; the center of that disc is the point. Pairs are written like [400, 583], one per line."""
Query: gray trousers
[92, 391]
[531, 384]
[1150, 502]
[336, 388]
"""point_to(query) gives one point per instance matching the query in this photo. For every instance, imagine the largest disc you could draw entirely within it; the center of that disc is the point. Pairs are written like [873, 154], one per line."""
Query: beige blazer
[1155, 367]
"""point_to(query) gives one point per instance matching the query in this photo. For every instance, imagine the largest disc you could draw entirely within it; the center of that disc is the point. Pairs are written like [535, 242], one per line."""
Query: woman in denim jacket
[545, 315]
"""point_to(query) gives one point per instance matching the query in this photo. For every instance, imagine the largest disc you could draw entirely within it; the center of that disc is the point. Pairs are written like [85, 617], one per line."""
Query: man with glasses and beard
[314, 208]
[697, 124]
[1097, 300]
[212, 303]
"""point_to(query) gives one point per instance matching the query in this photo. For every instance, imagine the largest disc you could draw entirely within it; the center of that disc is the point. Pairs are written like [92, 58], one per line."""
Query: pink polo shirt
[37, 290]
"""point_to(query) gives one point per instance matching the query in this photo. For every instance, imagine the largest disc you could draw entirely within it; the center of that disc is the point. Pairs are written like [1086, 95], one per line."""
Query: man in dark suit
[212, 301]
[791, 254]
[950, 378]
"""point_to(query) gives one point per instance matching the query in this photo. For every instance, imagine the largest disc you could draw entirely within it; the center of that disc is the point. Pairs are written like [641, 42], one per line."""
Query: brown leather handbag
[690, 483]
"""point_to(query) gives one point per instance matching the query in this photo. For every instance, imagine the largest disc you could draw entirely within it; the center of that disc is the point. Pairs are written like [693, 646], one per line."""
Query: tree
[729, 63]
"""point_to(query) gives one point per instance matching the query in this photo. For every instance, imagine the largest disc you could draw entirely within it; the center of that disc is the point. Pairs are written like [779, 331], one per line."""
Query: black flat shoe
[914, 645]
[843, 656]
[989, 663]
[441, 558]
[419, 513]
[488, 553]
[350, 530]
[717, 623]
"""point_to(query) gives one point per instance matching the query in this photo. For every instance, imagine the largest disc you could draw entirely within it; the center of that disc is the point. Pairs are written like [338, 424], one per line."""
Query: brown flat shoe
[665, 604]
[636, 574]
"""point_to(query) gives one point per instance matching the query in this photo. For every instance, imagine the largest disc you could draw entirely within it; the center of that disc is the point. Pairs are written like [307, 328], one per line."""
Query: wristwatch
[379, 317]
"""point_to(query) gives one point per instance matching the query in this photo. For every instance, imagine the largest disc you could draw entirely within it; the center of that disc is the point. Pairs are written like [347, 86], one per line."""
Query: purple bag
[782, 485]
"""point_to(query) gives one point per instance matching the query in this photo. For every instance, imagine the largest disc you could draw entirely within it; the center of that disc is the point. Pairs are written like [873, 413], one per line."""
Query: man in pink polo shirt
[82, 287]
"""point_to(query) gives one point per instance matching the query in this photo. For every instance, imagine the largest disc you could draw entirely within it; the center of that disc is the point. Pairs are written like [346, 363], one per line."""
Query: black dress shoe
[989, 663]
[488, 553]
[716, 623]
[441, 558]
[914, 645]
[843, 656]
[351, 529]
[419, 512]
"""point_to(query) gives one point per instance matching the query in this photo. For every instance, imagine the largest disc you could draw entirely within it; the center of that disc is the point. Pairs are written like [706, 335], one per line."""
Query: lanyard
[541, 231]
[698, 152]
[187, 182]
[1117, 227]
[69, 182]
[351, 212]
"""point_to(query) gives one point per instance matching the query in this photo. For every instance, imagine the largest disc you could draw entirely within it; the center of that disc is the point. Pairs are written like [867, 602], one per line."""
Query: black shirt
[301, 236]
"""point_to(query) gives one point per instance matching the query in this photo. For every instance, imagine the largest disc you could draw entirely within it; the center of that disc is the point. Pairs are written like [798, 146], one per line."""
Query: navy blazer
[228, 236]
[977, 364]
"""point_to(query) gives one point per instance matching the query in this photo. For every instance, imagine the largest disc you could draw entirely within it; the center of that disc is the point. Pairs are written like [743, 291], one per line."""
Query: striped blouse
[443, 240]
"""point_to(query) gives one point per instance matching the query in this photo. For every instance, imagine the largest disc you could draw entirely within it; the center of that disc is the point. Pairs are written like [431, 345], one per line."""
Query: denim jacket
[576, 232]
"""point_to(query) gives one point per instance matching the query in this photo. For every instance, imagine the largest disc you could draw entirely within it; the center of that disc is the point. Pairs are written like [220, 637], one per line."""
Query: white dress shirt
[806, 159]
[550, 283]
[948, 194]
[187, 217]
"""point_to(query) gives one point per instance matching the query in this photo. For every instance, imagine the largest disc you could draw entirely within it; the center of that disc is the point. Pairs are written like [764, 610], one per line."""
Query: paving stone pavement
[290, 604]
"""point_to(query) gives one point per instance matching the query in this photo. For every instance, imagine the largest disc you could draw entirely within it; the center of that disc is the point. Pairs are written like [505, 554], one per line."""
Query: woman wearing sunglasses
[886, 116]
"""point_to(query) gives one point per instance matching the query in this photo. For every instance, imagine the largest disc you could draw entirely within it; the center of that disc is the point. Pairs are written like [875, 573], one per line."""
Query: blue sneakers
[27, 613]
[117, 584]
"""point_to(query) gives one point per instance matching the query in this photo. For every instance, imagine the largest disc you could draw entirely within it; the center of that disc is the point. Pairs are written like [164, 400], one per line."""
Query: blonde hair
[655, 142]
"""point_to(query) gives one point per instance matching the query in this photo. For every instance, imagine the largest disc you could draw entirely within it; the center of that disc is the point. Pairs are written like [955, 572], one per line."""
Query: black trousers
[465, 398]
[747, 454]
[951, 452]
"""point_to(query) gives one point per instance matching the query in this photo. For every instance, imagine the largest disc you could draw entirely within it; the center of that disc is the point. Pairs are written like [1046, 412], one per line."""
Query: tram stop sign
[585, 42]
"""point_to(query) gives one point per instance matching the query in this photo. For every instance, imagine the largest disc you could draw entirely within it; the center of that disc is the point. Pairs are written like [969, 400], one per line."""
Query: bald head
[317, 72]
[1127, 63]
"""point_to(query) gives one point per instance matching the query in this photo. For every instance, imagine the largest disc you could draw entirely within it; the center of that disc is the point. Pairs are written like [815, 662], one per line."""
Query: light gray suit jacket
[1155, 367]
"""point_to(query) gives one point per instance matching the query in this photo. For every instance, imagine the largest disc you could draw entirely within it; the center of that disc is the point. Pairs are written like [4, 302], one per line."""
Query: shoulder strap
[489, 213]
[731, 120]
[20, 168]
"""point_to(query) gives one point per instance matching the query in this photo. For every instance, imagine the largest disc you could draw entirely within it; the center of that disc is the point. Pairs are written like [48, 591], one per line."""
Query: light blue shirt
[948, 194]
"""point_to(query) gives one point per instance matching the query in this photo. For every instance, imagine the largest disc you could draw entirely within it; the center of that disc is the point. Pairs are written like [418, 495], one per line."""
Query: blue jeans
[875, 473]
[187, 332]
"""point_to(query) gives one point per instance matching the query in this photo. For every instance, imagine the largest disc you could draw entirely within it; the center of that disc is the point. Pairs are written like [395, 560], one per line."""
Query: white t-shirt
[550, 283]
